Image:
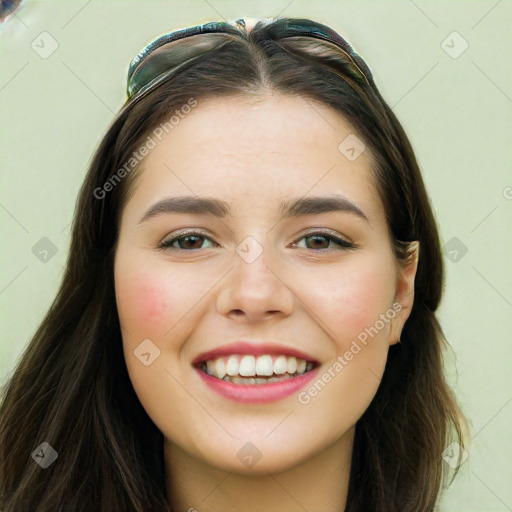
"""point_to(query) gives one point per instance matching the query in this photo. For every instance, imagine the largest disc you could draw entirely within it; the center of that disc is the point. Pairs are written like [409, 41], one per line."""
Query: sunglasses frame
[281, 28]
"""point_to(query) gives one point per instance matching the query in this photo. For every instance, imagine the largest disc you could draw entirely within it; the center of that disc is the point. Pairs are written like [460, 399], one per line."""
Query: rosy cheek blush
[152, 307]
[146, 306]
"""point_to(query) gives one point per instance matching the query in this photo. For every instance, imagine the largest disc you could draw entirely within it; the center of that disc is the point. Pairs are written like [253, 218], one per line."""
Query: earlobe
[404, 292]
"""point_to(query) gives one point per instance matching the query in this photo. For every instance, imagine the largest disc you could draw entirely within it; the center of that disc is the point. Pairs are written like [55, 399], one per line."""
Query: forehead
[263, 148]
[260, 125]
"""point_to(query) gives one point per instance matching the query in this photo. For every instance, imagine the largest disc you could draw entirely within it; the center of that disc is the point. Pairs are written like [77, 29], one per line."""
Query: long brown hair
[71, 388]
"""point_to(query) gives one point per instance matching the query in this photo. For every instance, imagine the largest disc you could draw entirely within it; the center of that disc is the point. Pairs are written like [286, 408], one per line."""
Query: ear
[404, 292]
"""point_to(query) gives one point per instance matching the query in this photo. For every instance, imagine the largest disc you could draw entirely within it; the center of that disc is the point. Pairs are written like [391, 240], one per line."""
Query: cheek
[353, 299]
[144, 303]
[152, 301]
[351, 305]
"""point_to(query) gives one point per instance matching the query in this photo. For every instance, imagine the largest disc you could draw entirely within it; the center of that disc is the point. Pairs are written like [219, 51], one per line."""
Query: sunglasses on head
[157, 61]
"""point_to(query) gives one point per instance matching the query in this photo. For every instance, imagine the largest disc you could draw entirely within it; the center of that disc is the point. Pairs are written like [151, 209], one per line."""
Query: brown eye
[318, 242]
[185, 242]
[321, 241]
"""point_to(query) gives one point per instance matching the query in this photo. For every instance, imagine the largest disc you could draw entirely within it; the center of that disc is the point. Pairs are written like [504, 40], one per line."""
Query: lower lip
[257, 393]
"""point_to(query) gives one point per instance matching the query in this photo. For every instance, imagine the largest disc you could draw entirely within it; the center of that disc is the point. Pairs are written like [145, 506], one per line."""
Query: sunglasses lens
[158, 59]
[162, 62]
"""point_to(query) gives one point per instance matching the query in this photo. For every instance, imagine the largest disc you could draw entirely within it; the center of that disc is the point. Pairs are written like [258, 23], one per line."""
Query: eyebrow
[312, 205]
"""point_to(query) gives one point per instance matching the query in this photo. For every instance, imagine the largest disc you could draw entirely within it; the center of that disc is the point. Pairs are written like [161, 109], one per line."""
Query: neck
[320, 483]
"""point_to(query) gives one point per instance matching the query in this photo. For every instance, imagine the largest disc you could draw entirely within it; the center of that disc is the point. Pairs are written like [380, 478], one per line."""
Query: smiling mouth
[249, 369]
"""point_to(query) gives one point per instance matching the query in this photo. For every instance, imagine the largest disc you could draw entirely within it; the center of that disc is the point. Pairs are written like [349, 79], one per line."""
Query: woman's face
[295, 297]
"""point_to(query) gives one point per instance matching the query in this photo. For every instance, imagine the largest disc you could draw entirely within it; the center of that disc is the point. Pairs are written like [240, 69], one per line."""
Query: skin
[254, 153]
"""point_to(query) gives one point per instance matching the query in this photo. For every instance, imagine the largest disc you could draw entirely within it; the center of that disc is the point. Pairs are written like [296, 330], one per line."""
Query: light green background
[457, 112]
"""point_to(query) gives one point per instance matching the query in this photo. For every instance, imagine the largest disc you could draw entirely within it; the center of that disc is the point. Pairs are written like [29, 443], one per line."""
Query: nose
[255, 291]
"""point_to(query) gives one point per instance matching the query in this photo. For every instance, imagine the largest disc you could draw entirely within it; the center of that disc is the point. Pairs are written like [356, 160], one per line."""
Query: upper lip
[256, 349]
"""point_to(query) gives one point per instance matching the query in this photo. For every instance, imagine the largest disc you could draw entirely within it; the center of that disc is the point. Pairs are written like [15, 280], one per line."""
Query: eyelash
[166, 244]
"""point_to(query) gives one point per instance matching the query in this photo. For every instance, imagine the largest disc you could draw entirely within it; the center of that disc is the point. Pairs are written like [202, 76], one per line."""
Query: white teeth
[249, 369]
[291, 365]
[210, 367]
[264, 366]
[247, 366]
[301, 366]
[280, 365]
[232, 366]
[219, 368]
[257, 380]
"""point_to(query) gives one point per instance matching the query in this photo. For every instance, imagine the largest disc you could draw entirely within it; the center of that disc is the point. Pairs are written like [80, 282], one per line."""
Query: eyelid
[187, 231]
[325, 231]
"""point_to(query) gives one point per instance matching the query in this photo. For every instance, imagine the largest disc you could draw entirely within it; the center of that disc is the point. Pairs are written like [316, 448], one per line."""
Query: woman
[260, 371]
